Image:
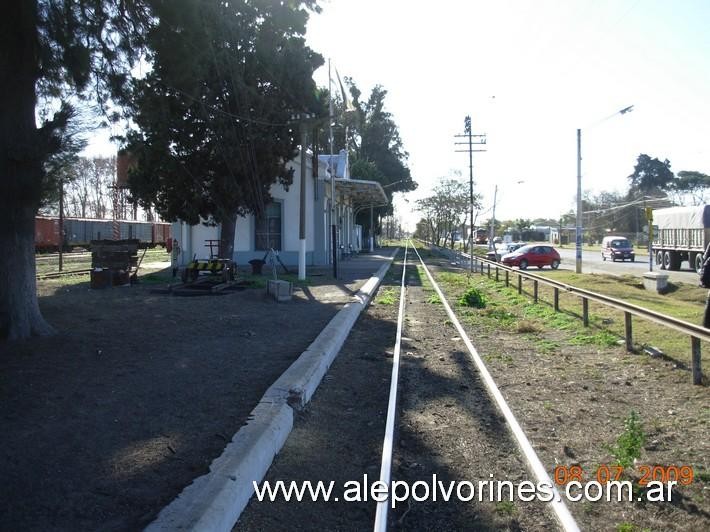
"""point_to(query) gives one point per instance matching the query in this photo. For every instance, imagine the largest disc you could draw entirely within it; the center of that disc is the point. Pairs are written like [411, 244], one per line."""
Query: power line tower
[480, 139]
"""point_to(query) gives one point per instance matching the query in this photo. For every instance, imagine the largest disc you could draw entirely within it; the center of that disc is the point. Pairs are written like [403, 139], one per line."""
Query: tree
[51, 51]
[214, 115]
[374, 145]
[88, 193]
[692, 185]
[446, 209]
[650, 177]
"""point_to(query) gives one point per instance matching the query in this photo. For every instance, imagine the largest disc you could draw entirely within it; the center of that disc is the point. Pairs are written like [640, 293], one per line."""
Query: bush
[473, 298]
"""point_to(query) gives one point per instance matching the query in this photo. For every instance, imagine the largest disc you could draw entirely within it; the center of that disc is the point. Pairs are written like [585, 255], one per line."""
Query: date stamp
[604, 473]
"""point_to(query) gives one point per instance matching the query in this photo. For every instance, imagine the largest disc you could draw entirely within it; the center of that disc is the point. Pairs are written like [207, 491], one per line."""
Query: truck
[680, 234]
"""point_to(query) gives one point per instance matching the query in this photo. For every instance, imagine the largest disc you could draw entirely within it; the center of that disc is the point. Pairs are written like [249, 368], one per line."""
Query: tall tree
[375, 147]
[88, 193]
[215, 114]
[650, 177]
[446, 209]
[692, 185]
[51, 50]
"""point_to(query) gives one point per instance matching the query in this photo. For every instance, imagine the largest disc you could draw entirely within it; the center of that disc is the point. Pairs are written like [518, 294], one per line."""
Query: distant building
[278, 227]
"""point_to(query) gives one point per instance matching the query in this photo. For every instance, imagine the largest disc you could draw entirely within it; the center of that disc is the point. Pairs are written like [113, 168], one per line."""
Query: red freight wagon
[161, 233]
[46, 233]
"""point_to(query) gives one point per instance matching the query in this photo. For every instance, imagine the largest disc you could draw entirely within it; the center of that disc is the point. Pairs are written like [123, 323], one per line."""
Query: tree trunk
[19, 310]
[226, 243]
[21, 156]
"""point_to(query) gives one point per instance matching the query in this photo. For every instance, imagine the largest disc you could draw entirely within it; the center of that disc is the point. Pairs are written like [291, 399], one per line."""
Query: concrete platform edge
[214, 502]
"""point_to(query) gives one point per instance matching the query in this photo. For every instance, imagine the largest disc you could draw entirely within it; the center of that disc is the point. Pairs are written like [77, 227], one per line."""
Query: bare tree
[89, 194]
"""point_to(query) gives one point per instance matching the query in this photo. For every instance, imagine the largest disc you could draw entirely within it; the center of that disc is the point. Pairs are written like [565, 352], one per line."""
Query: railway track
[445, 422]
[532, 462]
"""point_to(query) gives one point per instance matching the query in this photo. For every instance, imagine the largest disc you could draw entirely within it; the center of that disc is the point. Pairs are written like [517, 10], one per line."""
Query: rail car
[79, 232]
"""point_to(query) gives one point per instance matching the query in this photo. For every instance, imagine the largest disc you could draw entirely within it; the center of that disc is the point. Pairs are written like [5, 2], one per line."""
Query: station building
[278, 227]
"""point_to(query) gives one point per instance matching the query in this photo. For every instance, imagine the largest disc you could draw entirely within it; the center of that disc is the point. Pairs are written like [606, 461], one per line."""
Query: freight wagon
[79, 232]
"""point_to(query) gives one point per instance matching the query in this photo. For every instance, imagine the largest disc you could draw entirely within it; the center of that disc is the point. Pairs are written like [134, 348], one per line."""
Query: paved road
[592, 263]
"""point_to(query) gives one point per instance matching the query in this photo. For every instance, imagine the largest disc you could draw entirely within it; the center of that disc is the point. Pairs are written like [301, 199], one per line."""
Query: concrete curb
[215, 501]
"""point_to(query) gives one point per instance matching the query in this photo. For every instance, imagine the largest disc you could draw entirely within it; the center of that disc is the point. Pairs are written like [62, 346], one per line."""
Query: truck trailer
[682, 234]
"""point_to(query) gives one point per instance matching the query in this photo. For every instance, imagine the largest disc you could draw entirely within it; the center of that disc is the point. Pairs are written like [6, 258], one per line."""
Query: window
[268, 228]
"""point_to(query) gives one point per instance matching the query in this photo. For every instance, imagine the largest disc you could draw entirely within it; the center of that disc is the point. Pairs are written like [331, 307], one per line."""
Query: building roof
[362, 192]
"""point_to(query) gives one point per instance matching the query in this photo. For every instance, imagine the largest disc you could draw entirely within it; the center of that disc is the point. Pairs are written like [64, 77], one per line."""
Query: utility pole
[61, 224]
[333, 221]
[304, 120]
[491, 244]
[480, 140]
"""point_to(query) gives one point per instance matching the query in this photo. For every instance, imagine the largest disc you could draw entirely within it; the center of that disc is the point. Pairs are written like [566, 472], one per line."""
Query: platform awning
[362, 192]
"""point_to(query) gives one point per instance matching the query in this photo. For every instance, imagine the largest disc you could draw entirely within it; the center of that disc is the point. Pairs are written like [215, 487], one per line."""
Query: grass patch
[387, 296]
[434, 299]
[602, 339]
[505, 508]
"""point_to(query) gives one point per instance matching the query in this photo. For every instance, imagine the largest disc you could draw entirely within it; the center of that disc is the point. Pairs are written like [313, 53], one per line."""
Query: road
[592, 263]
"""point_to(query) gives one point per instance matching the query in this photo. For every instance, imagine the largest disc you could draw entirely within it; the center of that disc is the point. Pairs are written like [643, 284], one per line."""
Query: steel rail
[387, 446]
[534, 463]
[51, 275]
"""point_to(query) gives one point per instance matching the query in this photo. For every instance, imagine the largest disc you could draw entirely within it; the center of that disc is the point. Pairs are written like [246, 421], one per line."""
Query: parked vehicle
[79, 232]
[683, 234]
[617, 247]
[503, 250]
[533, 255]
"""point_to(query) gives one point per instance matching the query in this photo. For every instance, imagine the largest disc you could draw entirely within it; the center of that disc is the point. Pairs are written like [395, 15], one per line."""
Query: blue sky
[529, 74]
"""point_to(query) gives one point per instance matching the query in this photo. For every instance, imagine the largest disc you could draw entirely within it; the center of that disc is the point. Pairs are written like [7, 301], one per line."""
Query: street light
[578, 246]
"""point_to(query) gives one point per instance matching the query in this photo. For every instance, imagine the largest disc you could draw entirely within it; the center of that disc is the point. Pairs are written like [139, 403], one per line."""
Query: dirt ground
[571, 400]
[447, 427]
[105, 423]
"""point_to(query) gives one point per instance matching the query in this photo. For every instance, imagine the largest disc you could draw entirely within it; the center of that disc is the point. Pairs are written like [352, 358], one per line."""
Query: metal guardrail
[696, 332]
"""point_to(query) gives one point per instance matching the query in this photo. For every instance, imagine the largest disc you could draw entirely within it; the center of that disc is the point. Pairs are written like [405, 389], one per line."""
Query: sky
[529, 73]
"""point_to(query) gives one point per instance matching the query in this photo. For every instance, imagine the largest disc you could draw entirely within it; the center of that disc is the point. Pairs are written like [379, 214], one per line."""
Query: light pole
[578, 245]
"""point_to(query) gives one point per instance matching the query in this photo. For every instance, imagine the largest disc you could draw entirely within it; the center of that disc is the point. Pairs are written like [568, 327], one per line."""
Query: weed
[630, 442]
[434, 299]
[473, 298]
[630, 527]
[387, 296]
[505, 507]
[502, 316]
[547, 346]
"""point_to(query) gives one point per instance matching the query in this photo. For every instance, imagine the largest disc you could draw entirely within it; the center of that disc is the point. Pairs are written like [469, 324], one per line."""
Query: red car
[533, 255]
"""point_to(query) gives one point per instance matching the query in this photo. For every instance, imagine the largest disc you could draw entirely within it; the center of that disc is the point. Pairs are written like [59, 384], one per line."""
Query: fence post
[535, 291]
[628, 331]
[489, 270]
[585, 311]
[507, 278]
[496, 274]
[695, 364]
[520, 284]
[557, 299]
